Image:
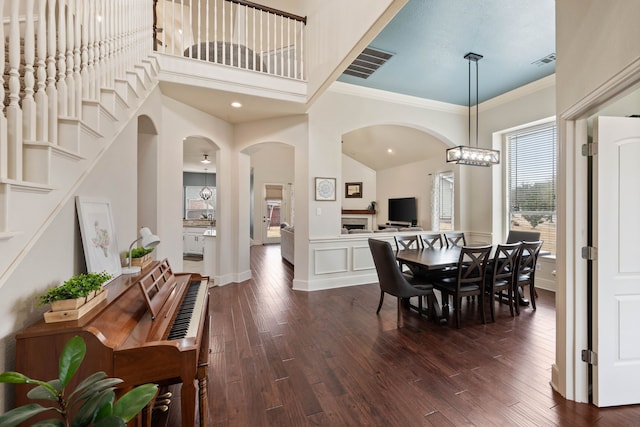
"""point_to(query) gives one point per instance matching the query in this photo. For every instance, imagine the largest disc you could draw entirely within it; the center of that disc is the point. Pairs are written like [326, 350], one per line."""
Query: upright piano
[153, 327]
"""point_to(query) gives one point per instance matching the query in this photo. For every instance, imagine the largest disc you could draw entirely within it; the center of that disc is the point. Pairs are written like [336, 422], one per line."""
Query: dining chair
[500, 275]
[455, 239]
[431, 240]
[393, 281]
[407, 242]
[469, 281]
[404, 243]
[526, 274]
[516, 236]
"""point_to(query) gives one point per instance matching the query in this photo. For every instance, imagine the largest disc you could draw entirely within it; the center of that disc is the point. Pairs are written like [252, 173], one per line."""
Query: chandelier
[466, 154]
[205, 192]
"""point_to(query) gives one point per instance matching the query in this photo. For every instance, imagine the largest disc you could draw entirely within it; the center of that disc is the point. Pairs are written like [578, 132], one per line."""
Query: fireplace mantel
[358, 212]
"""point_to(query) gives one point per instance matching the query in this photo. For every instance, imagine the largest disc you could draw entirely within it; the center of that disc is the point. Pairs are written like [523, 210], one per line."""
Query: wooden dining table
[427, 260]
[421, 262]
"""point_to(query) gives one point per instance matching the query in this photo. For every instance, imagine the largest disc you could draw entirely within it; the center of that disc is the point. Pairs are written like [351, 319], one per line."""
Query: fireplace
[355, 223]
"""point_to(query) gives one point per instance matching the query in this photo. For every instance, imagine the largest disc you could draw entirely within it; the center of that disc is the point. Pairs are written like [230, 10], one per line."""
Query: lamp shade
[149, 240]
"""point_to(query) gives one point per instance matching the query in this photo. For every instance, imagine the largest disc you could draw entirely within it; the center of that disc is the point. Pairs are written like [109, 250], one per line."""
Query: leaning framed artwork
[325, 188]
[353, 190]
[98, 235]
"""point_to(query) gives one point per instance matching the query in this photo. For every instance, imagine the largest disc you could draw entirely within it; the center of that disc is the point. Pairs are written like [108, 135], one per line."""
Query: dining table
[426, 261]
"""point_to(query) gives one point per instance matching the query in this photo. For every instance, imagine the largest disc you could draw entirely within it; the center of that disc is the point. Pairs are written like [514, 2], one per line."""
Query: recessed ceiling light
[236, 104]
[389, 150]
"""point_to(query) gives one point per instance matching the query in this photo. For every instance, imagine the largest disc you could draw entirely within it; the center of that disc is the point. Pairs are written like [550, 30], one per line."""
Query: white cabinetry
[193, 240]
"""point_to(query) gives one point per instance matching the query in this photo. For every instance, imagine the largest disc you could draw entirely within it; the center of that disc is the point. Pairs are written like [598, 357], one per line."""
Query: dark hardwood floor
[288, 358]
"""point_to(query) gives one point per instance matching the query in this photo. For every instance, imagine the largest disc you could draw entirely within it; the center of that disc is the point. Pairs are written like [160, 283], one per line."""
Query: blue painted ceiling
[429, 39]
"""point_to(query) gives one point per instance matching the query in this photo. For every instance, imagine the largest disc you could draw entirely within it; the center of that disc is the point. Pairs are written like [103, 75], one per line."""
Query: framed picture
[325, 188]
[98, 236]
[353, 190]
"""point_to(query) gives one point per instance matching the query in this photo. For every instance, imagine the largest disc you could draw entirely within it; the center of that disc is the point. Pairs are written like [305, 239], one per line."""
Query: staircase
[74, 74]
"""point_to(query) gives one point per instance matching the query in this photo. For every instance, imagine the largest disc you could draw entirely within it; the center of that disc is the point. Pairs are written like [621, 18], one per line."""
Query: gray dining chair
[516, 236]
[431, 240]
[394, 282]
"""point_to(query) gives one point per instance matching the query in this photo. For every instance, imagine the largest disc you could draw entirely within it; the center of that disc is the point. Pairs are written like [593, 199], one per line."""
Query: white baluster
[93, 87]
[77, 59]
[28, 103]
[98, 62]
[84, 51]
[253, 45]
[113, 18]
[61, 85]
[215, 31]
[14, 114]
[42, 118]
[4, 157]
[301, 51]
[102, 42]
[52, 93]
[71, 86]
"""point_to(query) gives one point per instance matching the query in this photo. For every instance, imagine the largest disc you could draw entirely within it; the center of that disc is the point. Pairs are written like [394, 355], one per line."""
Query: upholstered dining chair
[455, 239]
[516, 236]
[431, 240]
[501, 274]
[469, 281]
[393, 282]
[526, 274]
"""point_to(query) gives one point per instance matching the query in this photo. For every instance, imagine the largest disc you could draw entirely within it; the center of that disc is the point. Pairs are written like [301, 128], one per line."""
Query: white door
[616, 271]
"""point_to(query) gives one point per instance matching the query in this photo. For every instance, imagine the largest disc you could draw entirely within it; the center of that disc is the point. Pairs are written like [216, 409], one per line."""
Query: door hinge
[589, 253]
[590, 356]
[590, 149]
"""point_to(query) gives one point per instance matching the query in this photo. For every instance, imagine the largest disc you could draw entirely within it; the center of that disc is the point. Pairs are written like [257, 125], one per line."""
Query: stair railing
[236, 33]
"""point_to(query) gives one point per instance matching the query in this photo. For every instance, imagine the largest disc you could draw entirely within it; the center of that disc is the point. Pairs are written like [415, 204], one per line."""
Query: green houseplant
[92, 402]
[140, 252]
[77, 287]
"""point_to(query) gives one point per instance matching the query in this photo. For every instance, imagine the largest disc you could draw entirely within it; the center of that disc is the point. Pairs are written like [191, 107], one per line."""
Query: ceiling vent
[546, 60]
[367, 62]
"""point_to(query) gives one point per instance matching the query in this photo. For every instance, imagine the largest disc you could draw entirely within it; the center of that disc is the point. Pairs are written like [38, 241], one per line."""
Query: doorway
[272, 217]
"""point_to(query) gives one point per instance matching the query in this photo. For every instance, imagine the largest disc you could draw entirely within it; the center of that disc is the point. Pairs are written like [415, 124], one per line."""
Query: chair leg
[492, 303]
[456, 306]
[381, 300]
[510, 294]
[532, 291]
[398, 319]
[516, 302]
[481, 301]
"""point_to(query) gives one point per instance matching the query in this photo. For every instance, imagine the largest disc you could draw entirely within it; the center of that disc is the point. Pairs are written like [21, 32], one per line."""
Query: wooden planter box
[141, 262]
[73, 309]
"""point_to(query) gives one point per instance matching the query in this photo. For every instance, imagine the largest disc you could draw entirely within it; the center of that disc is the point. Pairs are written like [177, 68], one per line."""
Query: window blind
[532, 170]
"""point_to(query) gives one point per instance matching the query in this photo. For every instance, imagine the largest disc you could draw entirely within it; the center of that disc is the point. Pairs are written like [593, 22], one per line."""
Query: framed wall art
[98, 236]
[353, 190]
[325, 188]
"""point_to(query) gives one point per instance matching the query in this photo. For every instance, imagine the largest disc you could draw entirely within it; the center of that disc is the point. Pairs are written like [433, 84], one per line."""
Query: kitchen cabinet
[193, 240]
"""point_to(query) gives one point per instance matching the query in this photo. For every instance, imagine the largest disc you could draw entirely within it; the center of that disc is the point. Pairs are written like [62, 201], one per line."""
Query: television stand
[392, 225]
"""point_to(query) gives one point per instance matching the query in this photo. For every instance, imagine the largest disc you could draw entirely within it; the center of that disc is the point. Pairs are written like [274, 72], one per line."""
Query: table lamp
[147, 240]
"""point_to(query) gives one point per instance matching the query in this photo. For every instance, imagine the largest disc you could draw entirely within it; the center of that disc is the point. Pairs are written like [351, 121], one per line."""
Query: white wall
[354, 171]
[411, 180]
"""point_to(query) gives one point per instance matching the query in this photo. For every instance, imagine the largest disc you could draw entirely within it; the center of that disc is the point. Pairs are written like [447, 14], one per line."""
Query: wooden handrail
[302, 19]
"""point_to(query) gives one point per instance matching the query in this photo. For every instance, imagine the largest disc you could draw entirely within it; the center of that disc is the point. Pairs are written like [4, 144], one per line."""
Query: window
[197, 208]
[531, 178]
[443, 202]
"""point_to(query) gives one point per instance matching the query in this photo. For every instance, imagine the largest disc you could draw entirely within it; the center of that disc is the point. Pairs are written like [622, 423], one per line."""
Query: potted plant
[75, 292]
[140, 256]
[92, 402]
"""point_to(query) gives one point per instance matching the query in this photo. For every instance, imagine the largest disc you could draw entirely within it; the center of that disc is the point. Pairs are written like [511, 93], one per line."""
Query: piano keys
[152, 328]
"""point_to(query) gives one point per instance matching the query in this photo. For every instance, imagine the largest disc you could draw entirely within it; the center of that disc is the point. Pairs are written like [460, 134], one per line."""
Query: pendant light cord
[477, 102]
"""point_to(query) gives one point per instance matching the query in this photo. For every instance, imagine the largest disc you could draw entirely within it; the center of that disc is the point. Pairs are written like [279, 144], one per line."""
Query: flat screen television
[403, 210]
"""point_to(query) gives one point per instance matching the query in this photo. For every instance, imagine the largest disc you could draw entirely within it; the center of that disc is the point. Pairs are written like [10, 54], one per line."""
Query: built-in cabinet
[193, 240]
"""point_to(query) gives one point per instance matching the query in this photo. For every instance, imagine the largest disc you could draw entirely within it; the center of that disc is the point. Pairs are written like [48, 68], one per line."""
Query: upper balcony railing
[237, 33]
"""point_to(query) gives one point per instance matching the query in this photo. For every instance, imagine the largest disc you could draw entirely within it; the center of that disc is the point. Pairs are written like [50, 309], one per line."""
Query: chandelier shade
[467, 154]
[205, 192]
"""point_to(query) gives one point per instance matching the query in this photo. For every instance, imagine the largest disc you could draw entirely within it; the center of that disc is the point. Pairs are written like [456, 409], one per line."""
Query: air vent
[546, 60]
[367, 62]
